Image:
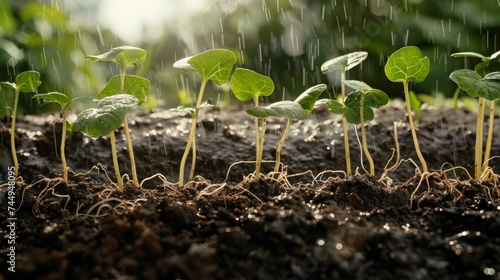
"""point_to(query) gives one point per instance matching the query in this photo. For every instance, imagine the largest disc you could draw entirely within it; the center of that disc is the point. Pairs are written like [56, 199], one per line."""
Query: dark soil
[441, 226]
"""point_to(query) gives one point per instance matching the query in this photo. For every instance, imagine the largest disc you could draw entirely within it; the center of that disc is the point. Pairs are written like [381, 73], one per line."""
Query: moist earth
[309, 222]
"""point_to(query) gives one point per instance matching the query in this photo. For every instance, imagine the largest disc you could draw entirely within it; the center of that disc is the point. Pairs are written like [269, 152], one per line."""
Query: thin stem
[478, 151]
[257, 141]
[115, 161]
[192, 134]
[63, 143]
[344, 128]
[193, 159]
[260, 148]
[123, 72]
[130, 152]
[489, 140]
[363, 136]
[13, 134]
[280, 145]
[412, 128]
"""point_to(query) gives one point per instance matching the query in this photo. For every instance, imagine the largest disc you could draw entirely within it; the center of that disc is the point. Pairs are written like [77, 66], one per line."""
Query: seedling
[190, 111]
[307, 100]
[212, 65]
[105, 119]
[247, 84]
[64, 101]
[344, 63]
[139, 87]
[485, 69]
[407, 65]
[487, 87]
[357, 109]
[282, 109]
[26, 82]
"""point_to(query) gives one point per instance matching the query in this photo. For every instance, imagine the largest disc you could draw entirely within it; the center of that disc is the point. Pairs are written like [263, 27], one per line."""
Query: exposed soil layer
[440, 226]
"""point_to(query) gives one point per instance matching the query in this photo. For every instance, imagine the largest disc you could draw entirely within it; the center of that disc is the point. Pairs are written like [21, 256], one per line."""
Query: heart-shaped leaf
[27, 81]
[475, 85]
[56, 97]
[134, 85]
[281, 109]
[215, 65]
[124, 56]
[247, 84]
[407, 65]
[107, 117]
[344, 63]
[308, 98]
[357, 85]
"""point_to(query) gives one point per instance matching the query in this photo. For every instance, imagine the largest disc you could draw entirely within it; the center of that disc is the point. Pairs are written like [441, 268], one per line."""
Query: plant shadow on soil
[330, 227]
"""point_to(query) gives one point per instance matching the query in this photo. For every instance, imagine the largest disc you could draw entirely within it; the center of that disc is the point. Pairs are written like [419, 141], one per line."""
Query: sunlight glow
[146, 20]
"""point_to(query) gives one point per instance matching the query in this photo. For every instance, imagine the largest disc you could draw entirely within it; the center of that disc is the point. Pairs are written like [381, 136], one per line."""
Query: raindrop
[458, 41]
[345, 11]
[260, 52]
[442, 26]
[323, 13]
[99, 33]
[406, 37]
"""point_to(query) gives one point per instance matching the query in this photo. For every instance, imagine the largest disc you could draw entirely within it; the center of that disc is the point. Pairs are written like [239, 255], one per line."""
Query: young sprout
[344, 63]
[215, 65]
[282, 109]
[307, 100]
[105, 119]
[125, 56]
[64, 101]
[407, 65]
[487, 87]
[358, 109]
[26, 82]
[190, 111]
[247, 84]
[488, 65]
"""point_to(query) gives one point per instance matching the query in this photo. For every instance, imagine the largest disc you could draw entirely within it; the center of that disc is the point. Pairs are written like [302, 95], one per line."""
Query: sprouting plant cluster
[124, 92]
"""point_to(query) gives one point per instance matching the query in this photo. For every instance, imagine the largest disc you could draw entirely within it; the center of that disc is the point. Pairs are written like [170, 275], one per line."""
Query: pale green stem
[489, 140]
[412, 128]
[260, 148]
[63, 143]
[363, 136]
[257, 140]
[130, 152]
[13, 134]
[280, 145]
[478, 161]
[344, 127]
[119, 180]
[123, 72]
[193, 159]
[192, 135]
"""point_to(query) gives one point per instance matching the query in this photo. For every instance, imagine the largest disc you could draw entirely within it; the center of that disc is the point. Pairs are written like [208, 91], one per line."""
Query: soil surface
[309, 222]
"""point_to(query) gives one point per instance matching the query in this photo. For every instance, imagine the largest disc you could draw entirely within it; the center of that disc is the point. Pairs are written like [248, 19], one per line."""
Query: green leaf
[407, 65]
[357, 85]
[376, 98]
[492, 76]
[56, 97]
[282, 109]
[134, 85]
[215, 65]
[308, 98]
[107, 117]
[475, 85]
[190, 110]
[9, 85]
[124, 56]
[415, 103]
[28, 81]
[247, 84]
[344, 63]
[468, 54]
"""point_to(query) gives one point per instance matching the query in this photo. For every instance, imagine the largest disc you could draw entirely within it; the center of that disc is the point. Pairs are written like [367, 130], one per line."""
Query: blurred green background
[287, 40]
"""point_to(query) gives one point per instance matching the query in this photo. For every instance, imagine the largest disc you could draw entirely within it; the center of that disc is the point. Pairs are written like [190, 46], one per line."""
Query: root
[120, 208]
[422, 177]
[48, 188]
